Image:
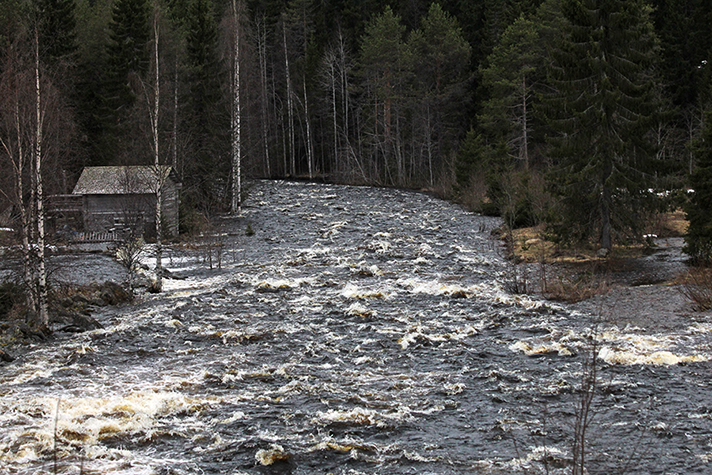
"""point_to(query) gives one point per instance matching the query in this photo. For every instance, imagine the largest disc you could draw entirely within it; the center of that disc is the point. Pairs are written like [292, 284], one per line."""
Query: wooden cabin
[116, 199]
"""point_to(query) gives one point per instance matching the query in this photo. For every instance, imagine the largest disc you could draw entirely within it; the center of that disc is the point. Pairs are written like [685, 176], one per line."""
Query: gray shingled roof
[121, 180]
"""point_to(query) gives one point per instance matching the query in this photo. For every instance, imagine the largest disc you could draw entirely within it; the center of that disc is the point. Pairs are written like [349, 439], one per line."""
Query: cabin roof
[123, 180]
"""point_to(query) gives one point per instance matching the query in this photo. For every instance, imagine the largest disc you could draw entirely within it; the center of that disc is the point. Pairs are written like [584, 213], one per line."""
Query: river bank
[357, 331]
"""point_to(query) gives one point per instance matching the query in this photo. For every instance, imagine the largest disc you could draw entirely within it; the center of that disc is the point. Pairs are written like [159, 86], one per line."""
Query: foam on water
[358, 331]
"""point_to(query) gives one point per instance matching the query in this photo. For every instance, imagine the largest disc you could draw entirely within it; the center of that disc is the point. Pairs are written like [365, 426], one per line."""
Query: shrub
[696, 286]
[10, 295]
[575, 288]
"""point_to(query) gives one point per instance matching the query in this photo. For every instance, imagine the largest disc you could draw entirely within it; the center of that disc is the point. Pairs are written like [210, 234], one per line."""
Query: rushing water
[359, 331]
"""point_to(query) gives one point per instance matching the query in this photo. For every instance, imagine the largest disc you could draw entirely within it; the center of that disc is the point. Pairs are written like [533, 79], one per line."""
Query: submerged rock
[114, 294]
[76, 322]
[6, 357]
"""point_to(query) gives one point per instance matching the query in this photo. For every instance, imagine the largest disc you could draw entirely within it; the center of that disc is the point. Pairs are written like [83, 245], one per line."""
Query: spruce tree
[57, 29]
[698, 240]
[206, 119]
[603, 107]
[128, 52]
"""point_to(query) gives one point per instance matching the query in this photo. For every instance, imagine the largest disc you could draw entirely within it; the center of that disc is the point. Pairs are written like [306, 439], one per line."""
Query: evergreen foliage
[444, 95]
[698, 239]
[686, 39]
[440, 58]
[469, 161]
[205, 117]
[602, 110]
[127, 52]
[57, 29]
[385, 71]
[441, 54]
[514, 70]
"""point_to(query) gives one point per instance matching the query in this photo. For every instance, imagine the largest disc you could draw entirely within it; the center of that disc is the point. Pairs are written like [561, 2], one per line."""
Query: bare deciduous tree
[31, 119]
[236, 108]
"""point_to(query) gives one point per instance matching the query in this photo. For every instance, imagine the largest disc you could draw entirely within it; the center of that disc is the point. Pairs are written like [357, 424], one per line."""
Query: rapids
[358, 331]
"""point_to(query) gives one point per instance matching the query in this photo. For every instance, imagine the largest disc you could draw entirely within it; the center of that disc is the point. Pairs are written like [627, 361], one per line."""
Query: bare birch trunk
[525, 136]
[39, 197]
[236, 116]
[429, 143]
[19, 167]
[346, 140]
[174, 138]
[156, 157]
[332, 78]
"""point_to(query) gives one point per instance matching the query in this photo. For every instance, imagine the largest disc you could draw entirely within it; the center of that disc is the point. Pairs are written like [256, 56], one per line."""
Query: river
[358, 331]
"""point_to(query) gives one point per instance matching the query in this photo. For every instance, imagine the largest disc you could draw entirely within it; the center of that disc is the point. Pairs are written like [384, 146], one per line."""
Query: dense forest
[578, 113]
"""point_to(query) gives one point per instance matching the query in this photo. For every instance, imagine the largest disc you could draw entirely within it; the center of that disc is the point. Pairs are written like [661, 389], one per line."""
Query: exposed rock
[81, 300]
[41, 333]
[5, 357]
[76, 322]
[114, 294]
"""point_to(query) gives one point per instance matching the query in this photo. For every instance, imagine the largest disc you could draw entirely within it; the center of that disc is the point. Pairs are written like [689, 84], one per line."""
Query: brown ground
[640, 285]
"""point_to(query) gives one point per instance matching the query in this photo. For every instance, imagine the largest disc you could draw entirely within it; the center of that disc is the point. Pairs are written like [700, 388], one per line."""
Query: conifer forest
[355, 236]
[587, 115]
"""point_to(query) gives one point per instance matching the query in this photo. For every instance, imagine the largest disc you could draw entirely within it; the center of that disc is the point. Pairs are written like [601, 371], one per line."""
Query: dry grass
[575, 288]
[672, 224]
[531, 244]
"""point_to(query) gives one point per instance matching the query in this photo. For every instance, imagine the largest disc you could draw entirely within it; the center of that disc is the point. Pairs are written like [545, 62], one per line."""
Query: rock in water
[5, 357]
[114, 294]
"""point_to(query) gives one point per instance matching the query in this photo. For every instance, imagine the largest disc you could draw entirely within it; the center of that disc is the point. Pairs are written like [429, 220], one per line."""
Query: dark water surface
[359, 331]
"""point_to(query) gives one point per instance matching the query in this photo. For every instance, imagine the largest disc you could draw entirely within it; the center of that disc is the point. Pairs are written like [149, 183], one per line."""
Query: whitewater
[357, 331]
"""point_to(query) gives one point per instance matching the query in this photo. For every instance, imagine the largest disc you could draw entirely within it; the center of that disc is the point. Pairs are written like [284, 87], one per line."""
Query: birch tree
[30, 131]
[158, 172]
[290, 102]
[264, 96]
[15, 88]
[42, 305]
[237, 12]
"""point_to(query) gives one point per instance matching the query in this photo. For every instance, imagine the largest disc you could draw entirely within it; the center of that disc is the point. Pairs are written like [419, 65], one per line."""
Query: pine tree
[385, 68]
[514, 69]
[442, 54]
[603, 108]
[440, 58]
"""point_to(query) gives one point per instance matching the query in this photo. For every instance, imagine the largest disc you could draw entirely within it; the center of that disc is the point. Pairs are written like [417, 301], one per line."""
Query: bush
[10, 295]
[575, 287]
[697, 287]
